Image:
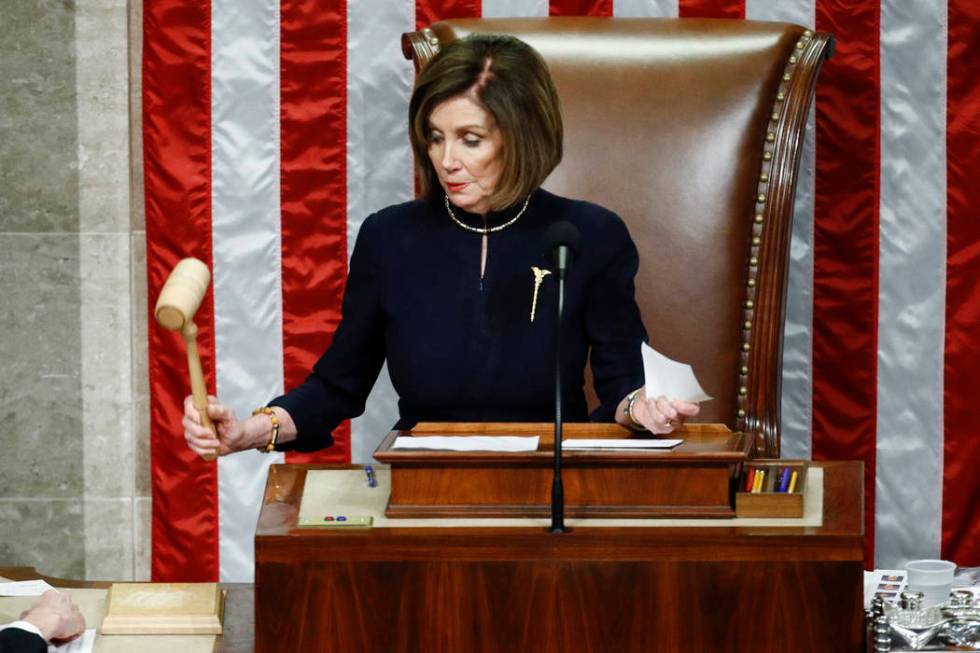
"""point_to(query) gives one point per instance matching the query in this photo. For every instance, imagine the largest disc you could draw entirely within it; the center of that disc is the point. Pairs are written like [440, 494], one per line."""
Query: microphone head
[562, 234]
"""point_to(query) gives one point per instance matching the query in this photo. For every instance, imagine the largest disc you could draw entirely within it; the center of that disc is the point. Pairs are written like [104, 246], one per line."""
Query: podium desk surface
[330, 492]
[837, 534]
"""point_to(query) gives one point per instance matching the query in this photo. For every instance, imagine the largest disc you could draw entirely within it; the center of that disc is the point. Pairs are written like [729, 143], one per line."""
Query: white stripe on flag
[912, 281]
[645, 8]
[801, 12]
[514, 8]
[379, 159]
[797, 387]
[245, 228]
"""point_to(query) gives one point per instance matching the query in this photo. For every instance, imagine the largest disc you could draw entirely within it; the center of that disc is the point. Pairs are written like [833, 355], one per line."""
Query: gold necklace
[485, 230]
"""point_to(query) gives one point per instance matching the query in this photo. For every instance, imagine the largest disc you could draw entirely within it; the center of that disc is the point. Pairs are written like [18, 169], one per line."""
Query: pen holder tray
[769, 501]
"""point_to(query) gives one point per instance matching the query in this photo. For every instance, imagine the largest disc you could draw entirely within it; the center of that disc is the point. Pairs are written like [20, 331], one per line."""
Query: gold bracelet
[270, 446]
[628, 410]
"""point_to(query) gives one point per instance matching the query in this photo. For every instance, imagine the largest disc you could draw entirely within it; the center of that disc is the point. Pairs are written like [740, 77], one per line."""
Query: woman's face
[466, 147]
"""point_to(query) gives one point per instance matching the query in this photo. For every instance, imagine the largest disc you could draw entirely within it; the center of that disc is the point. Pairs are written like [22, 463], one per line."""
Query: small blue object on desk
[372, 481]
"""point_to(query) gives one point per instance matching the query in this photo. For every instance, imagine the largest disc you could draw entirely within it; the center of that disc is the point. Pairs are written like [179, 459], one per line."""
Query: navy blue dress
[462, 348]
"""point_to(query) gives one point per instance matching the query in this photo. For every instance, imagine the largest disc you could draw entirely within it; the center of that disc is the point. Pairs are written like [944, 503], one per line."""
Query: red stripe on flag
[432, 11]
[177, 168]
[961, 419]
[313, 115]
[711, 8]
[580, 8]
[845, 275]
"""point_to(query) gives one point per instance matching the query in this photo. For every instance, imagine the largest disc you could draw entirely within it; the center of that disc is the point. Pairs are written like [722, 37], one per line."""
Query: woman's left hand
[660, 415]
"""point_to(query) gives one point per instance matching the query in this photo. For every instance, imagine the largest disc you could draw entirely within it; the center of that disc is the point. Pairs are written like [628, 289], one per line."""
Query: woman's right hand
[200, 439]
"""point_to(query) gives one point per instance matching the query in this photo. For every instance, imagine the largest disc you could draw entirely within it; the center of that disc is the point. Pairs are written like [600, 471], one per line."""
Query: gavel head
[182, 293]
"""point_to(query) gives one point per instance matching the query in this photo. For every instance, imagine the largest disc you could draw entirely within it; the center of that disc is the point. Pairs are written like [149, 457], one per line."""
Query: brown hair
[511, 81]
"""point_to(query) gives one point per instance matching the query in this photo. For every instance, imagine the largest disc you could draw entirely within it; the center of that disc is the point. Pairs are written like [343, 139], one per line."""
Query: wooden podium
[411, 586]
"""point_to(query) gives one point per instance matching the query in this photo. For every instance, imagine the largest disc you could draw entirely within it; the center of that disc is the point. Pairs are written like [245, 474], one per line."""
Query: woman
[453, 289]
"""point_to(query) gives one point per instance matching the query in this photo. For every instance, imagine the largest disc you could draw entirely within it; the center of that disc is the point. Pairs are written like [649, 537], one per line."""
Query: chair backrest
[692, 131]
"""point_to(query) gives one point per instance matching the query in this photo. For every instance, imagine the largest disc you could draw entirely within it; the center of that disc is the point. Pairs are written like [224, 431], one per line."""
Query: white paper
[24, 588]
[85, 643]
[468, 442]
[668, 378]
[618, 443]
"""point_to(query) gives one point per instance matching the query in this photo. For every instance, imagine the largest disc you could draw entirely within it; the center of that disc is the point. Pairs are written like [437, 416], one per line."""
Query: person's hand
[660, 415]
[56, 616]
[231, 432]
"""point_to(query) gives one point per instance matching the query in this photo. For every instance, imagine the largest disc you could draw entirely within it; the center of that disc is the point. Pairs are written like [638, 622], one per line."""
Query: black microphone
[561, 241]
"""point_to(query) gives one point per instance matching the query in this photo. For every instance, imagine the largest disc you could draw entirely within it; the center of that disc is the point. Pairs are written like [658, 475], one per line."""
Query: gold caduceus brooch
[539, 275]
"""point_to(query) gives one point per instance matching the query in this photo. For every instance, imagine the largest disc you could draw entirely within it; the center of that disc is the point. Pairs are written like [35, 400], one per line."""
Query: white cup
[934, 578]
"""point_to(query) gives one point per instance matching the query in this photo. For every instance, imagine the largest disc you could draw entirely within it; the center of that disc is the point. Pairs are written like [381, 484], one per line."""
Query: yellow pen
[792, 482]
[760, 475]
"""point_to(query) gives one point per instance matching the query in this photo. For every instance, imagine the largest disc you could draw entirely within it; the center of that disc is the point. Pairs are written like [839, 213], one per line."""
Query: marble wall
[74, 480]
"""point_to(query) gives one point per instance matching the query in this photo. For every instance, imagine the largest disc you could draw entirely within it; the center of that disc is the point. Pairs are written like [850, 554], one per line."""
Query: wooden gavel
[178, 302]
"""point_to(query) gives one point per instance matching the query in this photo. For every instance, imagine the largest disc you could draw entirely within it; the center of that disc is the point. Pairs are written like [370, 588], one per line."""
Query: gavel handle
[199, 390]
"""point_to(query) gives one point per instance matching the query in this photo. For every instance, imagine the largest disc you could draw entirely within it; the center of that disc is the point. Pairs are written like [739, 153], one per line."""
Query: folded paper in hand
[669, 378]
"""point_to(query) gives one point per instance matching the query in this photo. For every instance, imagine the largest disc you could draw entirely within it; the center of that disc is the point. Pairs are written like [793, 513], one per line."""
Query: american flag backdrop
[272, 128]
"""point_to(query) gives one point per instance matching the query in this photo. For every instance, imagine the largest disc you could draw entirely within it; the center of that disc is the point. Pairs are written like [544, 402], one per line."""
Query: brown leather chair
[692, 131]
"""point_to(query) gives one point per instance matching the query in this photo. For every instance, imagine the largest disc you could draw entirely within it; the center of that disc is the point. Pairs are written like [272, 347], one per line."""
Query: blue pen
[372, 481]
[784, 481]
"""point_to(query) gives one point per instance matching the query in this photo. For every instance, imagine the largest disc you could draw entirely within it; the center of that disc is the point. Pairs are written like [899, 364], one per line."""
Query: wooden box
[769, 502]
[163, 609]
[692, 480]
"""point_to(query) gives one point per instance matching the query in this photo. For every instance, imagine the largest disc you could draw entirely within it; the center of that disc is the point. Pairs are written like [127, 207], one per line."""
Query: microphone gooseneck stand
[557, 488]
[561, 243]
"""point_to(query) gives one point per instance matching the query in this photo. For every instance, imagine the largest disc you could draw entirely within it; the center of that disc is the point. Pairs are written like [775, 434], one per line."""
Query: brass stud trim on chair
[775, 116]
[431, 38]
